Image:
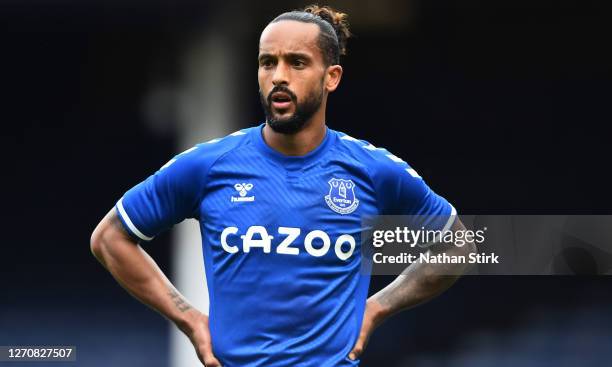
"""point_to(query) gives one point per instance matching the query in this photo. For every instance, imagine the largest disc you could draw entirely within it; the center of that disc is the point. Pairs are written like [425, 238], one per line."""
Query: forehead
[289, 36]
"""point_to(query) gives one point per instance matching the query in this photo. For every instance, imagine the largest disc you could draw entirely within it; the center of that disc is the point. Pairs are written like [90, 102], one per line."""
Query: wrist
[376, 311]
[189, 320]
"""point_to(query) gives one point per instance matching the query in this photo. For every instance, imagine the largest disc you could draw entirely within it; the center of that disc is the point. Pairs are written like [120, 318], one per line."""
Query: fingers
[364, 335]
[355, 353]
[208, 358]
[211, 361]
[201, 340]
[357, 349]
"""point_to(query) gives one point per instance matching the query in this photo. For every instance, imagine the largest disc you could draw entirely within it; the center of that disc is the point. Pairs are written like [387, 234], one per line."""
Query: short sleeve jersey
[281, 238]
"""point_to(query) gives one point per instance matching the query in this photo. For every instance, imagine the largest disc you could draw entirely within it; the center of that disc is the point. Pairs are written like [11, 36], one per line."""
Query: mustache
[283, 89]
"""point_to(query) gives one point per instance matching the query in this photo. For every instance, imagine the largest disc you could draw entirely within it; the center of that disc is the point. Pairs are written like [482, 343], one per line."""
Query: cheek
[263, 80]
[304, 86]
[313, 87]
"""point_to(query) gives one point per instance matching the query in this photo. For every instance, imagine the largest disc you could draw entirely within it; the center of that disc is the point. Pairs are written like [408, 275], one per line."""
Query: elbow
[470, 248]
[96, 243]
[100, 240]
[106, 239]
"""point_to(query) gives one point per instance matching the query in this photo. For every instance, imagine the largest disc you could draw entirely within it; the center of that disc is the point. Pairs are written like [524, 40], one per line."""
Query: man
[280, 208]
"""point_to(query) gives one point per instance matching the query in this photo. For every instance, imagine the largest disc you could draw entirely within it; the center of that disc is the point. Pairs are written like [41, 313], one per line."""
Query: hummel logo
[242, 189]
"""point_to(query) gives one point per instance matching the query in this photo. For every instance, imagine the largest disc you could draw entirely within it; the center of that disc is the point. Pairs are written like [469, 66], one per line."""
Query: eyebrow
[288, 54]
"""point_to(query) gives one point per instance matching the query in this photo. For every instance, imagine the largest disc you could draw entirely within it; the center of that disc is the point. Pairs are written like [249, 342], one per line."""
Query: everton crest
[341, 197]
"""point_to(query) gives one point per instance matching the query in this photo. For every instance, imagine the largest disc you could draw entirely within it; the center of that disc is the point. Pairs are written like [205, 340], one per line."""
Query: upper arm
[165, 198]
[402, 191]
[467, 246]
[109, 230]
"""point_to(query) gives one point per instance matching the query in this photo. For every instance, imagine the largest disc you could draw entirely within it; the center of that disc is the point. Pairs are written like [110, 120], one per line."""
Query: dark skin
[288, 55]
[417, 284]
[138, 273]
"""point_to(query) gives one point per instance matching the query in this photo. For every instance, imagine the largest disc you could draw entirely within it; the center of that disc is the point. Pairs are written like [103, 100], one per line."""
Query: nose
[281, 74]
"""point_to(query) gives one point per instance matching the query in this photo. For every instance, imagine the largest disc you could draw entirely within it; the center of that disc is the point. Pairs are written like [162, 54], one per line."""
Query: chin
[288, 126]
[283, 119]
[283, 116]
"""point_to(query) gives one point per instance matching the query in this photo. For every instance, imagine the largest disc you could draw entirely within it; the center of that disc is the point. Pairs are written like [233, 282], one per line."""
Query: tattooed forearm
[421, 282]
[179, 301]
[411, 288]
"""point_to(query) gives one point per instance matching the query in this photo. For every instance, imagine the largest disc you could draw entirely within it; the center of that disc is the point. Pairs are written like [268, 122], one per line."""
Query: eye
[266, 63]
[299, 63]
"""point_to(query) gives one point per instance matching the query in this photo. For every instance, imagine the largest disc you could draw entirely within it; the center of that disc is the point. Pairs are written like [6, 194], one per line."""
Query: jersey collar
[291, 162]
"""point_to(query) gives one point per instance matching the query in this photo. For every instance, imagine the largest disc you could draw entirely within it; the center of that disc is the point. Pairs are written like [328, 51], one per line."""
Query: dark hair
[333, 29]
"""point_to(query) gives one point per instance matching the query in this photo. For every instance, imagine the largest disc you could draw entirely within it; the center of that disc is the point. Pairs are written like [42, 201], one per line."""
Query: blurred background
[502, 106]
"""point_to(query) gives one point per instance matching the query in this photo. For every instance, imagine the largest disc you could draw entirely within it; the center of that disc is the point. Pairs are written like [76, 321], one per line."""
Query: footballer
[280, 207]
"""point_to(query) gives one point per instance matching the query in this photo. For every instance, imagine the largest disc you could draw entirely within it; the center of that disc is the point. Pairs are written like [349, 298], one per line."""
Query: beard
[301, 116]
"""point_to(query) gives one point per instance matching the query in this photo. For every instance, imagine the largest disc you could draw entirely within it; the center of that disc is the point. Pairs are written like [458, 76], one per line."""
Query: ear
[333, 75]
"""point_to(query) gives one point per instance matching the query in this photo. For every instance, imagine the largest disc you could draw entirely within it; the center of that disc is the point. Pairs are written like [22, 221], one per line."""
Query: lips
[281, 100]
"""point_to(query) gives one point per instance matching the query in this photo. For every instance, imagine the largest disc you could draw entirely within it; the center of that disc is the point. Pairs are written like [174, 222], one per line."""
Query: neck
[300, 143]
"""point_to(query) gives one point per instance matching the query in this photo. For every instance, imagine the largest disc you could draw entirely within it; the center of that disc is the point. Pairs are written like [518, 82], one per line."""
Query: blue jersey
[281, 238]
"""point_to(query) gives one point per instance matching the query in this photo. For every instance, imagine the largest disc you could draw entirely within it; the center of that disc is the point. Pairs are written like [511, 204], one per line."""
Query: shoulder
[204, 155]
[211, 150]
[379, 162]
[399, 188]
[191, 167]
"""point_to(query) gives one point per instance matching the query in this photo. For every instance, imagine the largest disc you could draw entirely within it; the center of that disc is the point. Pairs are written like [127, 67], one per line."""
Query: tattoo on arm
[179, 301]
[400, 293]
[420, 282]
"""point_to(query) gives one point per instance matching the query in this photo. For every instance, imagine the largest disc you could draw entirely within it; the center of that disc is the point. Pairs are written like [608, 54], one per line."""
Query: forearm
[137, 272]
[421, 281]
[416, 285]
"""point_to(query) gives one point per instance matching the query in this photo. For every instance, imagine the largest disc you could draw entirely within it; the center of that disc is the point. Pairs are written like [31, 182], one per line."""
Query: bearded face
[285, 113]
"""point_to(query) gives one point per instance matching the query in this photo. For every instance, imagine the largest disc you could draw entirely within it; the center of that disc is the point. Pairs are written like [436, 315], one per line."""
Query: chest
[328, 195]
[270, 210]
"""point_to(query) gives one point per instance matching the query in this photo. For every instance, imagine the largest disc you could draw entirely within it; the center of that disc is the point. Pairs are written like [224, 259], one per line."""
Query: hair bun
[338, 21]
